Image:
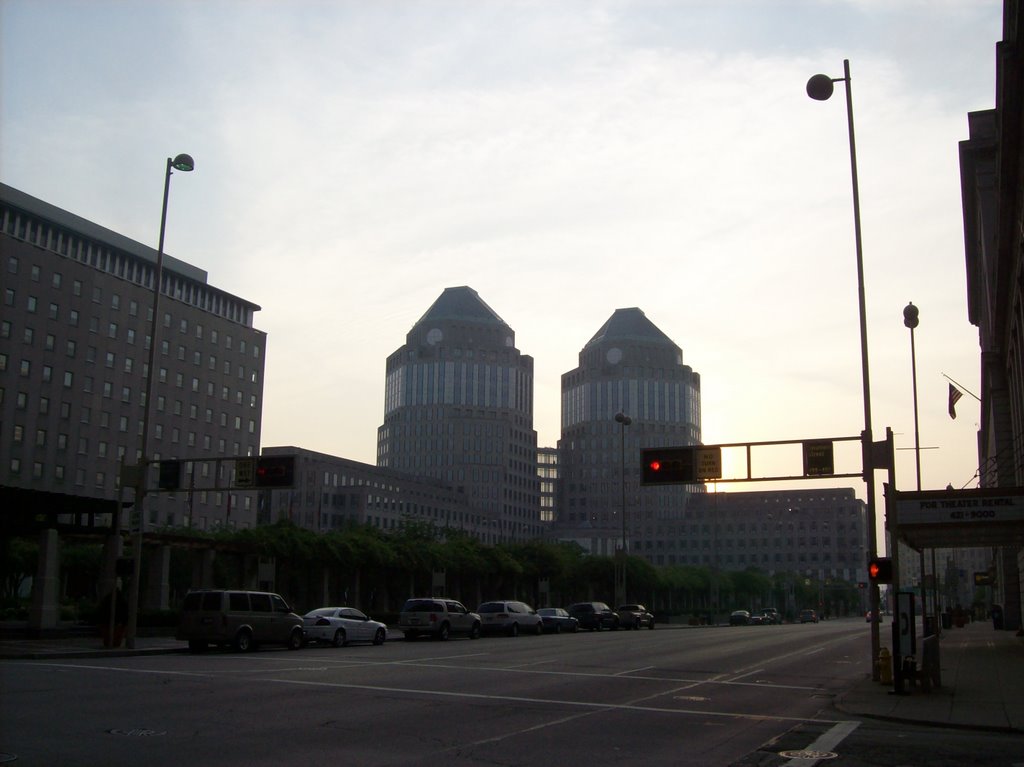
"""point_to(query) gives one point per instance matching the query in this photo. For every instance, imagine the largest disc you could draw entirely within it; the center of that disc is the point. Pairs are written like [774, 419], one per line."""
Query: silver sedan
[341, 625]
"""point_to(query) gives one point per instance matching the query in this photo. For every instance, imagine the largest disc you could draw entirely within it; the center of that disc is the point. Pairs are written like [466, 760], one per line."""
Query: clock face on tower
[434, 336]
[614, 355]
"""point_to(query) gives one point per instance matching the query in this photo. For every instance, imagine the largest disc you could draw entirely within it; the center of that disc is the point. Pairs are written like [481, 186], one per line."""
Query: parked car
[342, 625]
[739, 618]
[756, 619]
[634, 616]
[557, 620]
[771, 615]
[808, 616]
[870, 616]
[438, 618]
[594, 615]
[240, 619]
[509, 617]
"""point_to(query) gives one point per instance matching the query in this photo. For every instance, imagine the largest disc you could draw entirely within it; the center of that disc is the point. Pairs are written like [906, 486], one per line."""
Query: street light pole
[184, 163]
[820, 88]
[910, 319]
[623, 420]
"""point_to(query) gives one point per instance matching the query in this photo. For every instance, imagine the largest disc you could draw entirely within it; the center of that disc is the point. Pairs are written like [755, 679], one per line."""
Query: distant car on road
[770, 615]
[634, 617]
[870, 616]
[437, 618]
[341, 626]
[509, 617]
[557, 620]
[739, 618]
[808, 616]
[594, 615]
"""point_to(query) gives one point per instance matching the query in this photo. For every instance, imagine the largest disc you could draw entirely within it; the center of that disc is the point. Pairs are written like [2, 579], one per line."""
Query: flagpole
[961, 387]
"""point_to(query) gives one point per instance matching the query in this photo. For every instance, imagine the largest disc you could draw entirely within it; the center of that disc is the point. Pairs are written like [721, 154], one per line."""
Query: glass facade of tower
[628, 367]
[458, 406]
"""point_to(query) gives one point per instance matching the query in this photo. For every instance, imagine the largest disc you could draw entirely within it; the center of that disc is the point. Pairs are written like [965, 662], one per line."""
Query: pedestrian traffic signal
[668, 465]
[170, 475]
[880, 570]
[275, 471]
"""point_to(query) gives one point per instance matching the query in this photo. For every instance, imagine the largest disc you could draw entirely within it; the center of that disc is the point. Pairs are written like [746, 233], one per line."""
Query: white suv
[438, 618]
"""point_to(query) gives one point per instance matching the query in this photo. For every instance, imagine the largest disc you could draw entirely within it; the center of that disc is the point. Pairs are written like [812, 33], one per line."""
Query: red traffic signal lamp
[668, 465]
[880, 570]
[275, 471]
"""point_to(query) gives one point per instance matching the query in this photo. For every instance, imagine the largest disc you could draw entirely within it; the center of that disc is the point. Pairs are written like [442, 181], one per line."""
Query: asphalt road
[709, 696]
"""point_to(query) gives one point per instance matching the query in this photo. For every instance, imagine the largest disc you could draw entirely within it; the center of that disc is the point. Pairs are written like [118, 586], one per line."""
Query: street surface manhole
[807, 754]
[137, 732]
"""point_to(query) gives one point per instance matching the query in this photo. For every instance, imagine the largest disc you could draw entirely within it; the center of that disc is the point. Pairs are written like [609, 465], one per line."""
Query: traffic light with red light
[668, 465]
[275, 471]
[880, 570]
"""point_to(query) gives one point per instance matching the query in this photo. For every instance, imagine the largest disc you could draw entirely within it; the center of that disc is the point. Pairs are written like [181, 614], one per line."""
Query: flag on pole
[954, 396]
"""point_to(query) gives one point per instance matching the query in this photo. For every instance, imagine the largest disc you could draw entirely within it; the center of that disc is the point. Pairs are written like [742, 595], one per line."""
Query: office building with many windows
[630, 367]
[74, 348]
[458, 407]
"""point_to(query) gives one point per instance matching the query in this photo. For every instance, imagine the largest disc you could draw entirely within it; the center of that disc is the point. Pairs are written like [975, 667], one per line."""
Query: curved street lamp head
[624, 419]
[910, 316]
[820, 87]
[183, 162]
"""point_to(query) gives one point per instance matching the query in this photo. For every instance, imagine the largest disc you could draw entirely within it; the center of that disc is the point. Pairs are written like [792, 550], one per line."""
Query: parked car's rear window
[492, 607]
[193, 602]
[211, 600]
[423, 606]
[238, 602]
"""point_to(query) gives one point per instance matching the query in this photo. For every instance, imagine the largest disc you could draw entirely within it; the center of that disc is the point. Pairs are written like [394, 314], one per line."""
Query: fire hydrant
[884, 666]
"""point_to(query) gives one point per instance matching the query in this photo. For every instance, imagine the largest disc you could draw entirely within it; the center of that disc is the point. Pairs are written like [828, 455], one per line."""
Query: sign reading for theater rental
[960, 507]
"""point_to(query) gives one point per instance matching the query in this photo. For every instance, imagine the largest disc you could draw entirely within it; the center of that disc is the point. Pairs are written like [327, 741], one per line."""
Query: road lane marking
[591, 705]
[825, 744]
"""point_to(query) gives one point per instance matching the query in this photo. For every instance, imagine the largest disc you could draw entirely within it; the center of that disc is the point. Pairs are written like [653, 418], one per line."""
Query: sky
[564, 158]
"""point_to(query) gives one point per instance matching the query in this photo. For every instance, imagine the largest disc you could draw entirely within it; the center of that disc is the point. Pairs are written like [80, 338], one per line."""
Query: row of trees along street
[377, 570]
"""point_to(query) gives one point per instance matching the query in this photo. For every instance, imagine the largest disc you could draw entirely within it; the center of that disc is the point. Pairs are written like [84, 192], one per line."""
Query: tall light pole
[184, 163]
[910, 319]
[623, 420]
[820, 88]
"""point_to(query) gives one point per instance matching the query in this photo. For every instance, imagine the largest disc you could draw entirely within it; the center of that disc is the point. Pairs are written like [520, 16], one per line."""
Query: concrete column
[202, 569]
[45, 611]
[158, 577]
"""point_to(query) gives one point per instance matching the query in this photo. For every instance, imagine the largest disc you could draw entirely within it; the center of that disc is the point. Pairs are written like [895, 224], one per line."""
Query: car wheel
[380, 636]
[442, 633]
[243, 641]
[474, 633]
[410, 636]
[295, 640]
[575, 628]
[538, 628]
[196, 645]
[339, 638]
[514, 630]
[651, 625]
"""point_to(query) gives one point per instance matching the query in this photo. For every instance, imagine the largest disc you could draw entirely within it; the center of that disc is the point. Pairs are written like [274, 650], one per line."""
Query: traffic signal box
[668, 465]
[170, 475]
[275, 471]
[880, 570]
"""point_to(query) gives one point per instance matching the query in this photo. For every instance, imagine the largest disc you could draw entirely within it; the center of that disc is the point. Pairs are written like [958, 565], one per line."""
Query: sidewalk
[17, 645]
[982, 673]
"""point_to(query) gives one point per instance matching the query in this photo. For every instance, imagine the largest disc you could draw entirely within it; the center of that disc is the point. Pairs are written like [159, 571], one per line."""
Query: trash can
[997, 617]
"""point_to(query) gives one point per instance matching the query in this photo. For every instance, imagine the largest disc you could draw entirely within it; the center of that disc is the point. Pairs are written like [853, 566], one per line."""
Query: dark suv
[594, 616]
